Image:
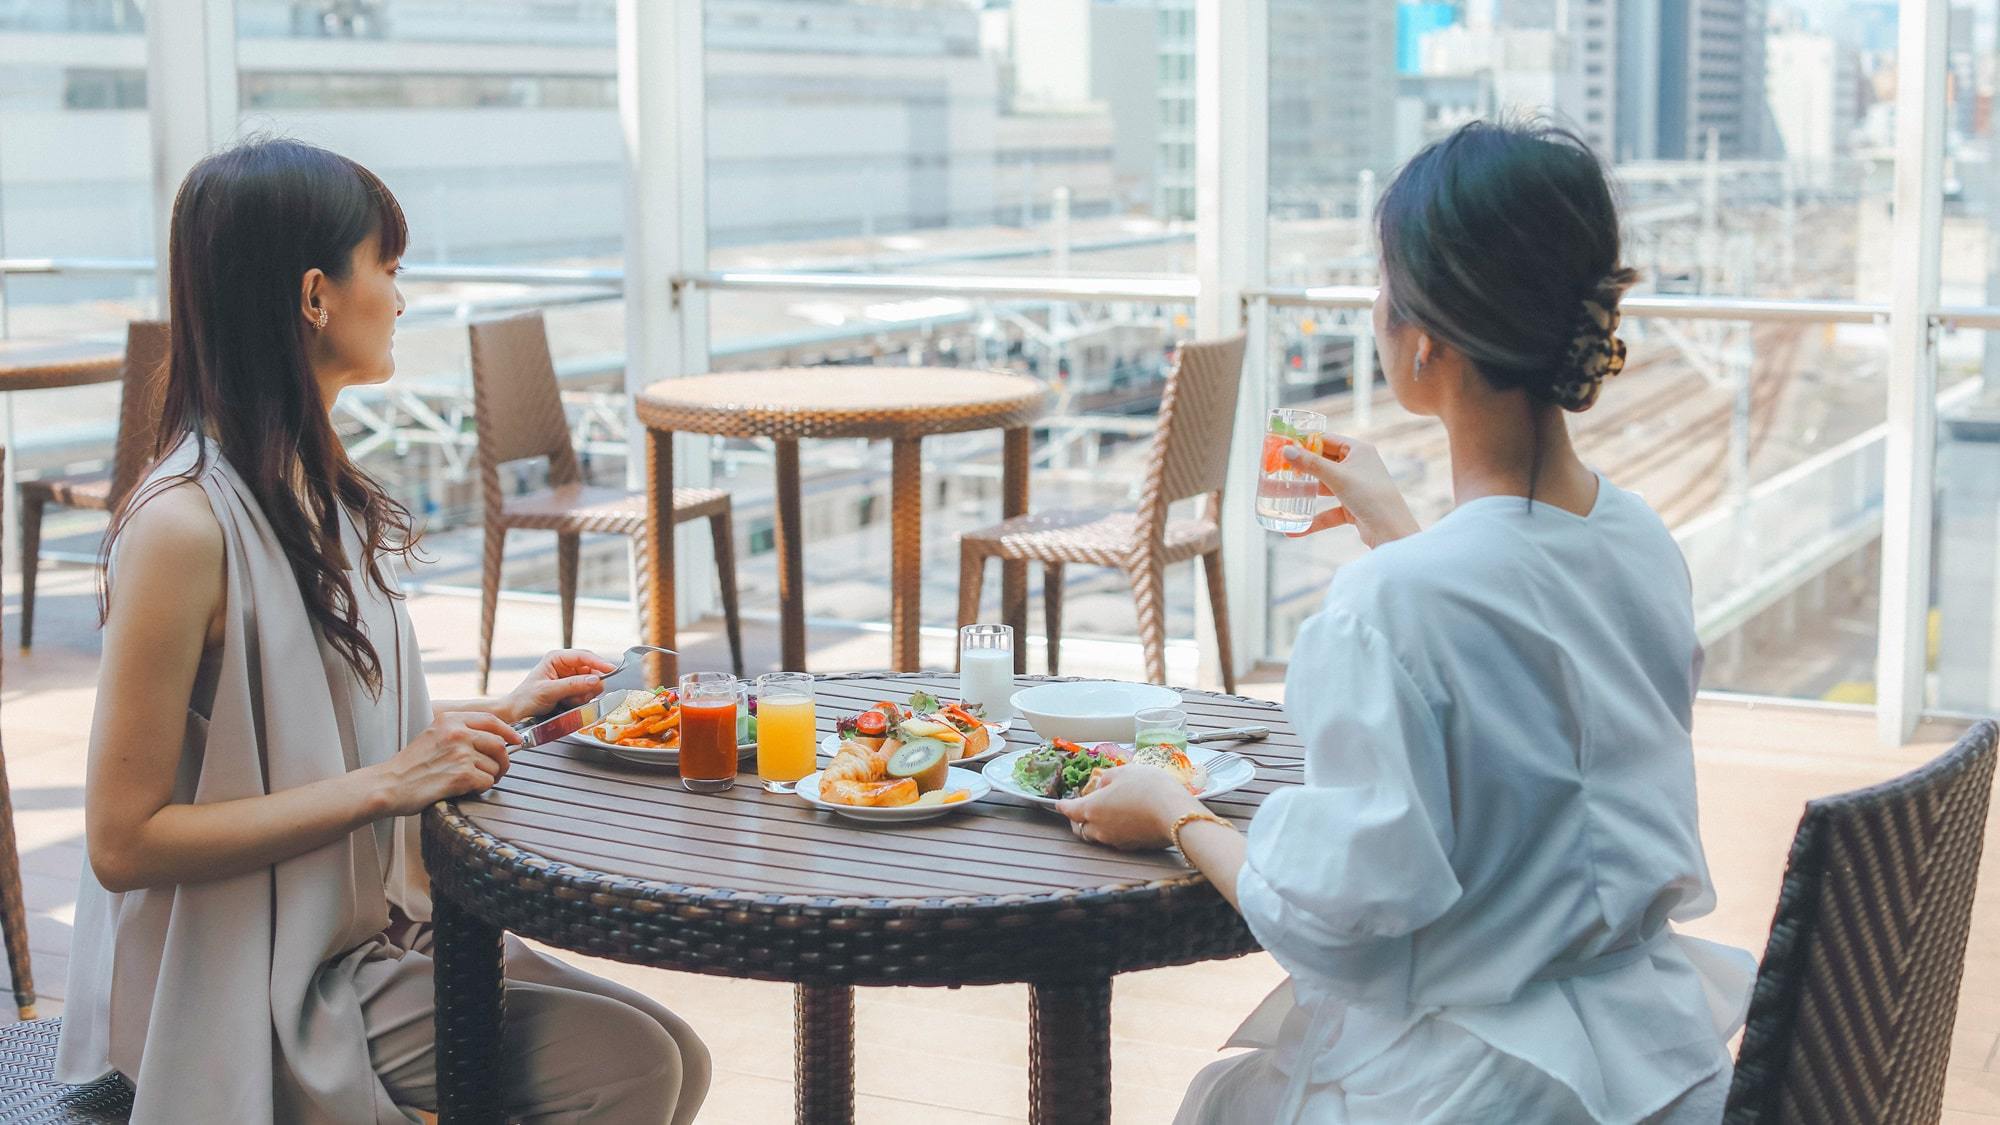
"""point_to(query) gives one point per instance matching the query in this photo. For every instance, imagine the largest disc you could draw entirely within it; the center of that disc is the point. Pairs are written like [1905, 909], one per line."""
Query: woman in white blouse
[1472, 890]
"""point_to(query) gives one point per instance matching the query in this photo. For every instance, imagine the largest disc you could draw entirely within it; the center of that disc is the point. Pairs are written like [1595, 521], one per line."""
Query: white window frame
[192, 85]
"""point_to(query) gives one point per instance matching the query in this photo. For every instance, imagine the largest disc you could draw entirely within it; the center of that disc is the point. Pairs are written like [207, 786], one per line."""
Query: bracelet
[1188, 818]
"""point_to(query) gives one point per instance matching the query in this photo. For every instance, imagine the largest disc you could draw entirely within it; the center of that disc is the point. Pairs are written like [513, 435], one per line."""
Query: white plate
[808, 790]
[1089, 710]
[671, 758]
[996, 743]
[1235, 774]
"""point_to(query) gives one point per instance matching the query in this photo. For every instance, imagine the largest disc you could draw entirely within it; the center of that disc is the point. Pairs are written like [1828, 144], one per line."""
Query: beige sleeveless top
[234, 999]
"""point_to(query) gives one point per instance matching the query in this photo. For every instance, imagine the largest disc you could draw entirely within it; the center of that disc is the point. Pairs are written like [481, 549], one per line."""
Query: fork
[1227, 758]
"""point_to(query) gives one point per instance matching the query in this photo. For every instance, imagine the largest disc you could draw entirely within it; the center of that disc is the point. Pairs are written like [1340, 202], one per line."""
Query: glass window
[75, 185]
[969, 140]
[495, 123]
[945, 131]
[1715, 422]
[1964, 652]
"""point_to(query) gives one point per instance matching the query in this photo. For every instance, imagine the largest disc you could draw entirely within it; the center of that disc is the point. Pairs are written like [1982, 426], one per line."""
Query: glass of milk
[986, 671]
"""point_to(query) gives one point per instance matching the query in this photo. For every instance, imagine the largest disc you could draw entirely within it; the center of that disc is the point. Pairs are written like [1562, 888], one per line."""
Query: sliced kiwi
[924, 760]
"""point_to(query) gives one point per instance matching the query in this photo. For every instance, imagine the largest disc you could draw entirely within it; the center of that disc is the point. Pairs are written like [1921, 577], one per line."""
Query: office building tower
[1711, 78]
[1814, 88]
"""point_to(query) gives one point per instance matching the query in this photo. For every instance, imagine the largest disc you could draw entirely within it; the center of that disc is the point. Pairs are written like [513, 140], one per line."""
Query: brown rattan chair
[146, 346]
[1851, 1019]
[29, 1093]
[518, 408]
[1190, 458]
[13, 901]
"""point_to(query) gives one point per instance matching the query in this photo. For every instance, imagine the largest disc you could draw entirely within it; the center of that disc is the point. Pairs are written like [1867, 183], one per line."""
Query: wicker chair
[1852, 1015]
[1190, 458]
[518, 408]
[29, 1093]
[146, 347]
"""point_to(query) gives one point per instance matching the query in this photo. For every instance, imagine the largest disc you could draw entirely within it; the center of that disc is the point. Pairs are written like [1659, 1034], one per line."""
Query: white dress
[1472, 891]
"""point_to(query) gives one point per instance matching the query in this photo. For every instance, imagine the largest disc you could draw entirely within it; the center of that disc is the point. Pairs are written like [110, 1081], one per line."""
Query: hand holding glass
[1287, 497]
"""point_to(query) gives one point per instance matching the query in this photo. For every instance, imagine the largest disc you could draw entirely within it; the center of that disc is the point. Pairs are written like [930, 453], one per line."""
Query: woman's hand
[1134, 808]
[1369, 499]
[463, 752]
[565, 678]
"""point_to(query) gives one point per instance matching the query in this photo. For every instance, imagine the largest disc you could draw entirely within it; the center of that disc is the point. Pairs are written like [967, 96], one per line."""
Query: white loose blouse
[1498, 821]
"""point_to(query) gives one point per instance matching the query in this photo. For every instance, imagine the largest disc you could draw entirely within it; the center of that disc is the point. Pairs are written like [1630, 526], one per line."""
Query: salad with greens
[1061, 768]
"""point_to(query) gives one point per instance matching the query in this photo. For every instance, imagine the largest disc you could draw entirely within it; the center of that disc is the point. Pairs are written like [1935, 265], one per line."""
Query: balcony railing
[1828, 504]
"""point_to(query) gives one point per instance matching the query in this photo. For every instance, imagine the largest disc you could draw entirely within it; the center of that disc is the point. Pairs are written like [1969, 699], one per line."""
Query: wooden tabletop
[637, 822]
[32, 364]
[842, 402]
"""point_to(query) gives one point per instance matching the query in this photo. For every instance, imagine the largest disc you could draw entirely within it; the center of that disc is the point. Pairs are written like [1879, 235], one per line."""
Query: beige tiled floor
[935, 1056]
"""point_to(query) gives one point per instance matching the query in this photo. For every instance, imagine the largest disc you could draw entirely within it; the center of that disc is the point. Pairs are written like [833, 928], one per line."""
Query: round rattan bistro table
[902, 405]
[617, 861]
[30, 364]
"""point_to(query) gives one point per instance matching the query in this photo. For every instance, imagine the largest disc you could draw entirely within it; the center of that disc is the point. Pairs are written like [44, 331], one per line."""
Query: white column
[191, 100]
[661, 112]
[1232, 253]
[1911, 449]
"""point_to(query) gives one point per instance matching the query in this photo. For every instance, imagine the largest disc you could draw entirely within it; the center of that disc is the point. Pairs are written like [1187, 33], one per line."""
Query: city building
[1068, 57]
[1558, 59]
[1592, 28]
[1813, 84]
[1333, 100]
[1413, 22]
[1173, 165]
[1711, 78]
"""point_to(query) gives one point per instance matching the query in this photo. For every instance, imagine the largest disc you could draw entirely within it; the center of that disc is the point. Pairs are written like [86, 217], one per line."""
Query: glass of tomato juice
[709, 701]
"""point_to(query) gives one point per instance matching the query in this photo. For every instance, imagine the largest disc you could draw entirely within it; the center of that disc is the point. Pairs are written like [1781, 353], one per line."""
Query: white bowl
[1089, 710]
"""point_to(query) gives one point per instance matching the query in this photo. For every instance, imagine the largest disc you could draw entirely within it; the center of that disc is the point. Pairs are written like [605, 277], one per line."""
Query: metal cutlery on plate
[630, 673]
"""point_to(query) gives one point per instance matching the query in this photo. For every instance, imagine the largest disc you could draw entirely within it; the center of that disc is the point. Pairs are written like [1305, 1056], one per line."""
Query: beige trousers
[578, 1048]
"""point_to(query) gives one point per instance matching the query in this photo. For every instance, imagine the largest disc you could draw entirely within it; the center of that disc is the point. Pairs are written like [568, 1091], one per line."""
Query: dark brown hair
[248, 222]
[1493, 239]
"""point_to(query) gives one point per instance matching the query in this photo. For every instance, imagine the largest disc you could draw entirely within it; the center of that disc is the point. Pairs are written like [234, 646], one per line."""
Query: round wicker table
[903, 405]
[617, 861]
[29, 364]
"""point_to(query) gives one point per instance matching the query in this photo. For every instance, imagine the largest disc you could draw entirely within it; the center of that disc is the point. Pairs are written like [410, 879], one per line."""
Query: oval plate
[996, 744]
[640, 755]
[808, 791]
[1236, 772]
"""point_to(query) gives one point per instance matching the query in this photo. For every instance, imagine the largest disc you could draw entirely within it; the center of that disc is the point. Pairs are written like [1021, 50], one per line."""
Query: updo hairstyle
[1501, 240]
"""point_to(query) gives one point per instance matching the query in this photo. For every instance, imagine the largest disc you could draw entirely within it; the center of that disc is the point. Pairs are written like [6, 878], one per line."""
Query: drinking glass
[708, 731]
[1160, 726]
[784, 729]
[986, 672]
[1288, 497]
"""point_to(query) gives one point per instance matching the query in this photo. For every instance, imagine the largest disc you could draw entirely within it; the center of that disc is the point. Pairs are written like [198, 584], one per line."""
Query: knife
[629, 673]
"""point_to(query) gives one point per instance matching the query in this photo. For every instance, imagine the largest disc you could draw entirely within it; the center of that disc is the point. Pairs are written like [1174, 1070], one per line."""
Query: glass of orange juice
[708, 731]
[785, 751]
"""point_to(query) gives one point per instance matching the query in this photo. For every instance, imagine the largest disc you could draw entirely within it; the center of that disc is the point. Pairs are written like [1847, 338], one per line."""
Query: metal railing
[610, 280]
[1171, 290]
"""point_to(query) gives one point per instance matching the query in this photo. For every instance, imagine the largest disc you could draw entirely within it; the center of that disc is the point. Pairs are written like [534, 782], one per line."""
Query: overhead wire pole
[1910, 449]
[1232, 253]
[661, 115]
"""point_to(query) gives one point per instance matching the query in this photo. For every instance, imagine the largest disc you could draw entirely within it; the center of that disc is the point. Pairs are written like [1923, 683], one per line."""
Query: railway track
[1661, 429]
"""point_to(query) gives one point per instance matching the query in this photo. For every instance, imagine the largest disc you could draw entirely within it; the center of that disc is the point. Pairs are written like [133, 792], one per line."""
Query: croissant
[855, 762]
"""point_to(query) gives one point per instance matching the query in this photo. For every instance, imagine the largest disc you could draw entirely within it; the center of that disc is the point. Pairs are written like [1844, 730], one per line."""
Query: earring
[321, 322]
[1416, 362]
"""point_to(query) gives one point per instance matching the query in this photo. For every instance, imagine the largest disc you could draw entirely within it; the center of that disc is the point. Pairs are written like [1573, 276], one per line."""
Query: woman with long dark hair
[1473, 888]
[252, 932]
